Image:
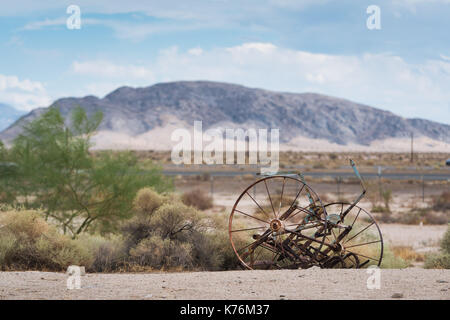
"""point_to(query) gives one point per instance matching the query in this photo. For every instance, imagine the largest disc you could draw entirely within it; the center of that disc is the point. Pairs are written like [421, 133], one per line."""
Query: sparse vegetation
[27, 242]
[442, 202]
[163, 234]
[198, 199]
[56, 172]
[391, 260]
[407, 253]
[440, 260]
[167, 234]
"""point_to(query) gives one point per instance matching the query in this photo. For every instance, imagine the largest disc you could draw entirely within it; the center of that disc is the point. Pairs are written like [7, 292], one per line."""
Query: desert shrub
[437, 261]
[445, 242]
[386, 194]
[197, 199]
[28, 242]
[424, 215]
[160, 253]
[147, 200]
[442, 202]
[166, 234]
[440, 260]
[391, 261]
[431, 217]
[407, 253]
[105, 254]
[206, 176]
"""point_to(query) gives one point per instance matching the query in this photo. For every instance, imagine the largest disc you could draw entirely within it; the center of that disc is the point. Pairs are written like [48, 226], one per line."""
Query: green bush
[55, 171]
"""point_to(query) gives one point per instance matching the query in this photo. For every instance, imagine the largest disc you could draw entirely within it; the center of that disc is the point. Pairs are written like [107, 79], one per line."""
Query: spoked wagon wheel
[278, 222]
[357, 235]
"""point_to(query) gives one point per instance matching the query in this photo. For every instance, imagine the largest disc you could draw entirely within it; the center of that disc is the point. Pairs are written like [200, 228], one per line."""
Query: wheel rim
[263, 222]
[364, 241]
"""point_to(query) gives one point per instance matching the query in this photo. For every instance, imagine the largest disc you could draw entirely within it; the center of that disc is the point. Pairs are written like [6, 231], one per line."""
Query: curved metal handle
[353, 164]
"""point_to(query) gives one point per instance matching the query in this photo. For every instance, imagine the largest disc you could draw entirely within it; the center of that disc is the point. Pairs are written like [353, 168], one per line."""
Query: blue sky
[299, 46]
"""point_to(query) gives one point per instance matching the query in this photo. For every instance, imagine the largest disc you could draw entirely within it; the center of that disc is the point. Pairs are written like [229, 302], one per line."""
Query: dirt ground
[273, 285]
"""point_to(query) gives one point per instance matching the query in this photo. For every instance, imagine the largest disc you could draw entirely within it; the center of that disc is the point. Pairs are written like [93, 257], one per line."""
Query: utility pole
[339, 180]
[212, 186]
[379, 183]
[423, 189]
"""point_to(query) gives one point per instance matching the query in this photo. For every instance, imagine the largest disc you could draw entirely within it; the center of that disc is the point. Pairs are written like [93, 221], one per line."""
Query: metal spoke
[360, 232]
[363, 244]
[281, 198]
[295, 199]
[248, 215]
[258, 205]
[358, 254]
[356, 217]
[256, 228]
[245, 247]
[270, 198]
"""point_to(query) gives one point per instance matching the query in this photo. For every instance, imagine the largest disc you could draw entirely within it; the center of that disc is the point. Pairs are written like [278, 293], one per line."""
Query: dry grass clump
[391, 260]
[197, 199]
[421, 215]
[28, 242]
[407, 253]
[442, 202]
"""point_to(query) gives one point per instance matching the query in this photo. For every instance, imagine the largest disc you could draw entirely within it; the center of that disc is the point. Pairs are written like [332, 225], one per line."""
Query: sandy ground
[417, 237]
[284, 284]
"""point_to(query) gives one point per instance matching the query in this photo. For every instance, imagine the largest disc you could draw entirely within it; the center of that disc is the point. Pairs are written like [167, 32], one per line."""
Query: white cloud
[444, 57]
[384, 80]
[36, 25]
[412, 5]
[195, 51]
[23, 94]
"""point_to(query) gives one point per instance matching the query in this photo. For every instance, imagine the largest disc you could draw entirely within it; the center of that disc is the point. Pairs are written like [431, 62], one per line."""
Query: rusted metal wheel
[356, 236]
[278, 222]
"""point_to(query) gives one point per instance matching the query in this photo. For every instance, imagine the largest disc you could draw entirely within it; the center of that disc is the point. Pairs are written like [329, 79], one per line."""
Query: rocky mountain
[130, 113]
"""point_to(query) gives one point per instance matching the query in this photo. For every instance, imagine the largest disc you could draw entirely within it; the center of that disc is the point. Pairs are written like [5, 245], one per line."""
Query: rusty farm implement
[279, 222]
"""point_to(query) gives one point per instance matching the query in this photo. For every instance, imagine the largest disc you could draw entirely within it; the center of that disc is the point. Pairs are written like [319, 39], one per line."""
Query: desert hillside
[143, 118]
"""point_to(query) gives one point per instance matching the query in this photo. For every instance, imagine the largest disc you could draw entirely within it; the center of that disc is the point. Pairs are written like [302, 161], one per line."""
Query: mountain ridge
[135, 111]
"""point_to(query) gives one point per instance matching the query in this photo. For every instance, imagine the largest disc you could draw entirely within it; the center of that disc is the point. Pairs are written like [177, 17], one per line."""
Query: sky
[320, 46]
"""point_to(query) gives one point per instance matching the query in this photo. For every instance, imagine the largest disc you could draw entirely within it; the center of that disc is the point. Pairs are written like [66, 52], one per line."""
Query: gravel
[407, 283]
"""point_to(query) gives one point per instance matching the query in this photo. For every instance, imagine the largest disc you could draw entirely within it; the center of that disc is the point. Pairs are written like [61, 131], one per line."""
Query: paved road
[394, 176]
